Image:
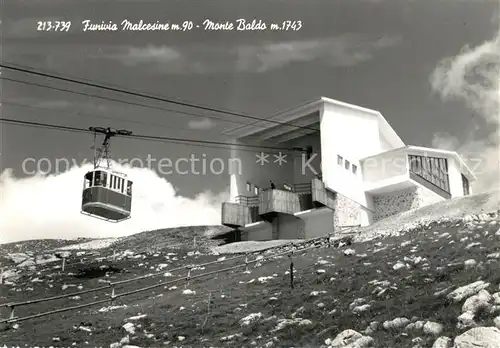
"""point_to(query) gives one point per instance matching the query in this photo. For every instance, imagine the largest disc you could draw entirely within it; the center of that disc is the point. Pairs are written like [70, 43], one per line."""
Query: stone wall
[346, 213]
[402, 200]
[427, 197]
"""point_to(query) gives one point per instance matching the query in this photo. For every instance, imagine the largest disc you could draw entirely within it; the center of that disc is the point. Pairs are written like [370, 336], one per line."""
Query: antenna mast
[103, 152]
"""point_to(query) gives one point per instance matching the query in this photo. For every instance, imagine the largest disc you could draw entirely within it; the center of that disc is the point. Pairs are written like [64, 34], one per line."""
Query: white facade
[358, 155]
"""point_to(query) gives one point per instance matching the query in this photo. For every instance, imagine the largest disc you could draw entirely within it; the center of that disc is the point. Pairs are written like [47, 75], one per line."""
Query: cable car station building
[355, 170]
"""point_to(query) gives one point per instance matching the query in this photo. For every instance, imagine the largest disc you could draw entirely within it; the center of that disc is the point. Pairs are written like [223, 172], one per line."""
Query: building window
[256, 190]
[416, 164]
[354, 168]
[249, 187]
[347, 164]
[340, 160]
[432, 170]
[465, 185]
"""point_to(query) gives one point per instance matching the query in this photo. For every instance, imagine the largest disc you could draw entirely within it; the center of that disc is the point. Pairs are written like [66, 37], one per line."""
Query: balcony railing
[321, 195]
[279, 201]
[302, 188]
[284, 198]
[236, 215]
[248, 201]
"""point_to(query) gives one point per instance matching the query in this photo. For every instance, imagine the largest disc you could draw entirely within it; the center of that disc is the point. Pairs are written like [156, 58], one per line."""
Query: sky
[430, 67]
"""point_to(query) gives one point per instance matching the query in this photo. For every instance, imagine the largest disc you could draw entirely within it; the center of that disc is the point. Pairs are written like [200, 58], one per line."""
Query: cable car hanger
[103, 152]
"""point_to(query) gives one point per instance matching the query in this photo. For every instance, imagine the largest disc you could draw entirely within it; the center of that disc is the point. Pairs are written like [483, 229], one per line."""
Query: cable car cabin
[107, 195]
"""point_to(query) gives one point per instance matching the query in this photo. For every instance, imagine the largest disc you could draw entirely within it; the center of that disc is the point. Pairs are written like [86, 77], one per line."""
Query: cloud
[473, 77]
[72, 105]
[49, 206]
[53, 104]
[151, 54]
[205, 123]
[341, 51]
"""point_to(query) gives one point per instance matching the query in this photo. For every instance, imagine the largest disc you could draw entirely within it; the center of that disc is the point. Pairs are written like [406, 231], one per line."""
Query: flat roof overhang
[279, 133]
[388, 185]
[298, 116]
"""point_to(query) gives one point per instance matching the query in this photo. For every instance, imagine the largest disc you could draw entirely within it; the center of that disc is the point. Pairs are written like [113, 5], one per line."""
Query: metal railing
[12, 305]
[303, 188]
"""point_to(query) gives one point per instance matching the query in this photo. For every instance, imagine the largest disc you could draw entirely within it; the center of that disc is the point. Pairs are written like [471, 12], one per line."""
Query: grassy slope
[346, 279]
[36, 244]
[140, 242]
[161, 239]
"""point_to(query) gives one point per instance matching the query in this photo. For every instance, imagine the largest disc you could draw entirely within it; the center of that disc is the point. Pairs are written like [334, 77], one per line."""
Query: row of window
[346, 164]
[431, 169]
[253, 188]
[100, 178]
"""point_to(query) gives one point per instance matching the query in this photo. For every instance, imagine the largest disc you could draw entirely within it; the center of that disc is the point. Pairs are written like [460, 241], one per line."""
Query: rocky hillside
[434, 281]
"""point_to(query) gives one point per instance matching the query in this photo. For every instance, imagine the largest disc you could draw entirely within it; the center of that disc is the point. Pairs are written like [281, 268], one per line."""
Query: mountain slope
[396, 291]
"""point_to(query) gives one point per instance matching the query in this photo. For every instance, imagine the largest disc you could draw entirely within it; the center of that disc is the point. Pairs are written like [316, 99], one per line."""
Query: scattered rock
[432, 328]
[395, 324]
[479, 302]
[350, 339]
[443, 342]
[251, 318]
[468, 290]
[465, 321]
[130, 328]
[480, 337]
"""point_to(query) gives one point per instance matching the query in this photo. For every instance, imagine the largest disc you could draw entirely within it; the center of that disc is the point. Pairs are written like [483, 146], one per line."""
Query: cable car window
[97, 178]
[129, 188]
[118, 183]
[88, 180]
[100, 178]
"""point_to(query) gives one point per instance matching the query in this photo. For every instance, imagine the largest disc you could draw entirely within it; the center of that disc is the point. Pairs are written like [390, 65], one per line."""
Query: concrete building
[341, 165]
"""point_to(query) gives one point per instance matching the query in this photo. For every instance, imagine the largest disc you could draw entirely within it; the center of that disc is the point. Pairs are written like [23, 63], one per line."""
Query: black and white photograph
[250, 174]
